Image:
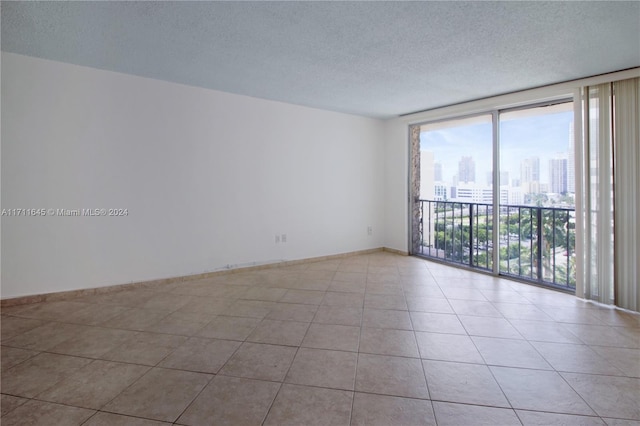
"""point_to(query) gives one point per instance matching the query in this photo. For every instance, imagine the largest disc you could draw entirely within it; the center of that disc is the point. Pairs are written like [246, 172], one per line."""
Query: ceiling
[378, 59]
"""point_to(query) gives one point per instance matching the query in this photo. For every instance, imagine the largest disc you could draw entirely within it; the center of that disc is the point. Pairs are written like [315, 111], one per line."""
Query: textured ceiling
[378, 59]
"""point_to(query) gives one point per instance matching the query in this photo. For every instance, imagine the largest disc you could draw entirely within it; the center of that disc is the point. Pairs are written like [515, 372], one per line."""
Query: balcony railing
[535, 243]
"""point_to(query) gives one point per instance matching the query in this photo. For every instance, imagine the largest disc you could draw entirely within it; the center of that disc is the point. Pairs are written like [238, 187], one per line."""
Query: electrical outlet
[277, 239]
[283, 238]
[369, 230]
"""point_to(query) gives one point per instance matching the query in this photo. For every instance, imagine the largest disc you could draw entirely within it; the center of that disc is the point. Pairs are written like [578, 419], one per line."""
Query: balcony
[536, 244]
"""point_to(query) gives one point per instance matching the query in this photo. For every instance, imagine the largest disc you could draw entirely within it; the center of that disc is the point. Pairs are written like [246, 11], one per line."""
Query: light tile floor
[376, 339]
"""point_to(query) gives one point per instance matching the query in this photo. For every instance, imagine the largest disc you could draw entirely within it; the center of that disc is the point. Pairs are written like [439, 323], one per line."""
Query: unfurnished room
[320, 213]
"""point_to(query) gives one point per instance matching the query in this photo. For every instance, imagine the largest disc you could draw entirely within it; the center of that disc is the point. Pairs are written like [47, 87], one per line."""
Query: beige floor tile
[388, 342]
[544, 331]
[384, 318]
[95, 314]
[110, 419]
[601, 335]
[131, 298]
[14, 356]
[330, 336]
[40, 413]
[382, 410]
[626, 360]
[363, 307]
[309, 297]
[536, 418]
[347, 287]
[450, 414]
[93, 385]
[323, 368]
[182, 323]
[447, 347]
[288, 333]
[621, 422]
[489, 327]
[353, 267]
[464, 383]
[385, 301]
[350, 277]
[440, 323]
[350, 300]
[521, 311]
[161, 394]
[308, 282]
[384, 283]
[292, 312]
[476, 308]
[46, 336]
[260, 361]
[385, 288]
[201, 355]
[249, 308]
[505, 297]
[428, 304]
[267, 294]
[468, 293]
[617, 317]
[608, 396]
[510, 353]
[136, 319]
[209, 305]
[231, 401]
[166, 302]
[13, 326]
[94, 342]
[309, 406]
[421, 290]
[9, 403]
[571, 315]
[57, 311]
[231, 328]
[575, 358]
[39, 373]
[339, 315]
[389, 375]
[145, 348]
[539, 390]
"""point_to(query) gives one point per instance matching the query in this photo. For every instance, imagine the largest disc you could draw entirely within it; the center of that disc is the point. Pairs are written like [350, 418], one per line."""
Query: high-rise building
[558, 175]
[466, 170]
[530, 170]
[571, 163]
[437, 171]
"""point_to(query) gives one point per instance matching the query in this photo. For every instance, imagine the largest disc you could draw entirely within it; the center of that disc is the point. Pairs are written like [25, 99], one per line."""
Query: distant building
[466, 170]
[440, 191]
[558, 175]
[530, 170]
[437, 172]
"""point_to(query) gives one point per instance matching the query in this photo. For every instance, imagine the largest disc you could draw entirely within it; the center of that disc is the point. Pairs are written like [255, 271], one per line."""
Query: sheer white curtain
[626, 95]
[607, 160]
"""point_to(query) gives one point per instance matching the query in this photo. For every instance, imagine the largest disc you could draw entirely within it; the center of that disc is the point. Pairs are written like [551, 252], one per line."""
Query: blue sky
[538, 135]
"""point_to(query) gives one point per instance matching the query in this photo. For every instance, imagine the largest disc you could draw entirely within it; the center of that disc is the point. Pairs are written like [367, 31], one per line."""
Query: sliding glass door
[456, 170]
[495, 191]
[537, 210]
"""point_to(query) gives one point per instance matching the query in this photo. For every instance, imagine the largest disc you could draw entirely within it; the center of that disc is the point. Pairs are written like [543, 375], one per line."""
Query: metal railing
[535, 243]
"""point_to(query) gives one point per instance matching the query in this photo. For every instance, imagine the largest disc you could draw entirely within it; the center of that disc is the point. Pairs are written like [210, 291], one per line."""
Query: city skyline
[543, 136]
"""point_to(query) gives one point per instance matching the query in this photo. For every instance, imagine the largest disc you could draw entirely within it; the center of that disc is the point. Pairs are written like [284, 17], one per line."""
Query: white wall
[208, 178]
[396, 185]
